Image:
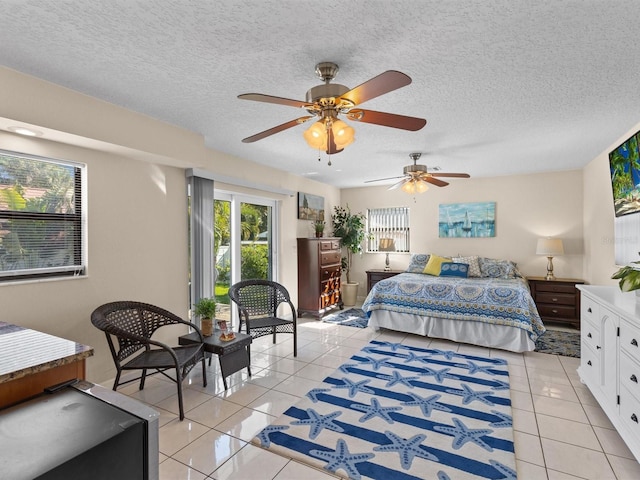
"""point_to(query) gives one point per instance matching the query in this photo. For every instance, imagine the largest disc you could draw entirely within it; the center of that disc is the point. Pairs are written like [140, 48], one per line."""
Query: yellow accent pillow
[434, 264]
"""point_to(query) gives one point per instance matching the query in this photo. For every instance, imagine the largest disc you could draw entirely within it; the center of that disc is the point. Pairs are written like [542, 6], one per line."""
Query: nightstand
[557, 300]
[374, 276]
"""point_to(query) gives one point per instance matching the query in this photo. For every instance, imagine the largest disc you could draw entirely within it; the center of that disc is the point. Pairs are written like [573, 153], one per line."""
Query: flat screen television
[624, 166]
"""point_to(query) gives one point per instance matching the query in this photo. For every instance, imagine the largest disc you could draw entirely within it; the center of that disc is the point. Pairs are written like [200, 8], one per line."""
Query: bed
[494, 311]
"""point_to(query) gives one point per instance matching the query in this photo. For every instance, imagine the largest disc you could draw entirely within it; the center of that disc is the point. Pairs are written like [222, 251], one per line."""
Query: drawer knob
[589, 335]
[598, 347]
[589, 310]
[554, 299]
[634, 418]
[634, 378]
[589, 363]
[554, 310]
[634, 342]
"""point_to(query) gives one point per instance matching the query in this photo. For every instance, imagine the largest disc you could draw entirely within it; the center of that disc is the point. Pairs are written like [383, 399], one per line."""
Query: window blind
[388, 229]
[41, 217]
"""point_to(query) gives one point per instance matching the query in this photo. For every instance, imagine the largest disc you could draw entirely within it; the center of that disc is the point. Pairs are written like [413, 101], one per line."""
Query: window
[388, 229]
[41, 217]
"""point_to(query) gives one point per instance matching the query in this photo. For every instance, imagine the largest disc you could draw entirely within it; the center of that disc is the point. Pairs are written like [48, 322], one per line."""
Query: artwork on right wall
[467, 220]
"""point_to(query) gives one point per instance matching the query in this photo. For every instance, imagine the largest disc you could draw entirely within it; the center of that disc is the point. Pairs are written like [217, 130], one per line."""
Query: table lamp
[550, 247]
[387, 245]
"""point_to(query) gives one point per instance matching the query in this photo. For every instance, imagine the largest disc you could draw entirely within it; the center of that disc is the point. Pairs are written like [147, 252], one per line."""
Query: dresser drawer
[630, 339]
[630, 374]
[590, 336]
[329, 245]
[556, 298]
[630, 411]
[561, 311]
[330, 258]
[589, 365]
[328, 273]
[590, 310]
[553, 287]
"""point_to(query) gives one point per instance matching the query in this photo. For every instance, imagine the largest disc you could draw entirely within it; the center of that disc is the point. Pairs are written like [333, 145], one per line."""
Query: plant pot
[206, 325]
[349, 293]
[319, 234]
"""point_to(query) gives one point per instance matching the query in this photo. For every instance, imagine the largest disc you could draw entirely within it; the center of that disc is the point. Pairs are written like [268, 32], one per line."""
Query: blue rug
[354, 317]
[395, 412]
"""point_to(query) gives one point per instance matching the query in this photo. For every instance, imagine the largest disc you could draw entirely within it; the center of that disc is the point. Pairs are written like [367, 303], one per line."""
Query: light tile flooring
[560, 431]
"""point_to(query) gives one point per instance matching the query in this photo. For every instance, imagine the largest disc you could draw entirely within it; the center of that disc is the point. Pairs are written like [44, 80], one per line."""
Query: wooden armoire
[319, 274]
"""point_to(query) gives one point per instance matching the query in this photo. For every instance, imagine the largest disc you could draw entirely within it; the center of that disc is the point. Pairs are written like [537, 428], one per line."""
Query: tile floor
[560, 431]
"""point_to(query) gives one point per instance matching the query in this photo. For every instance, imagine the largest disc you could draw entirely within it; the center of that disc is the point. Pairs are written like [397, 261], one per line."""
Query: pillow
[434, 264]
[417, 263]
[474, 265]
[492, 268]
[453, 269]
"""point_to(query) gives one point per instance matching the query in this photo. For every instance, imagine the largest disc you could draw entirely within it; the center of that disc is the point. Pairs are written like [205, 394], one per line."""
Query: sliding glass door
[244, 240]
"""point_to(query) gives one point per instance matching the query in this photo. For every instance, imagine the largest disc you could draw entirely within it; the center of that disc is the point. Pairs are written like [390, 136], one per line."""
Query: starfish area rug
[354, 317]
[398, 412]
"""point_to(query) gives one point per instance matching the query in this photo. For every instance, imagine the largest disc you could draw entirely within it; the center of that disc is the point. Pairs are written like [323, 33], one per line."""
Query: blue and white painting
[467, 220]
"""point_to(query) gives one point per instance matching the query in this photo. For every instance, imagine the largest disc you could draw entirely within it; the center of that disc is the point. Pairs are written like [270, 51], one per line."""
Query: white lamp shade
[414, 186]
[550, 247]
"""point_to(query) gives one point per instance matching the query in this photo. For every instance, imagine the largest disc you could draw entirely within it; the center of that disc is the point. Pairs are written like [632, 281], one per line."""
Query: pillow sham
[493, 268]
[434, 264]
[417, 263]
[454, 269]
[474, 265]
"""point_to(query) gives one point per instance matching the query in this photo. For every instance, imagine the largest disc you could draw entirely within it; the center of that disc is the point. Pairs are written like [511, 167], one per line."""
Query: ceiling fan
[416, 177]
[326, 102]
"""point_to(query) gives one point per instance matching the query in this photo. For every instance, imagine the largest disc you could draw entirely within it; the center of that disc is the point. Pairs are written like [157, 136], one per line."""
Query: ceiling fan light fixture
[343, 134]
[316, 136]
[414, 186]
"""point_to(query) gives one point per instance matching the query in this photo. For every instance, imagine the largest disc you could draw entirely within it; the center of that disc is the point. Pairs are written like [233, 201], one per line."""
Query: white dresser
[610, 356]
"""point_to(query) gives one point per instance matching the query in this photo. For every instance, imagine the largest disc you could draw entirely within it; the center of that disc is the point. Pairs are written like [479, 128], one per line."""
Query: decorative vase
[206, 325]
[319, 234]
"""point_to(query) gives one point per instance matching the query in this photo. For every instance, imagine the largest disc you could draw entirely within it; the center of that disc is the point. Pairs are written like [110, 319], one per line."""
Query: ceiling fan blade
[433, 181]
[259, 97]
[384, 83]
[452, 175]
[399, 184]
[386, 119]
[381, 179]
[279, 128]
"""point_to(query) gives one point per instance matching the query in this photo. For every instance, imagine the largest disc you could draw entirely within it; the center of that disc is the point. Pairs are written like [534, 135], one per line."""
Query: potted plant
[318, 227]
[205, 308]
[629, 277]
[351, 228]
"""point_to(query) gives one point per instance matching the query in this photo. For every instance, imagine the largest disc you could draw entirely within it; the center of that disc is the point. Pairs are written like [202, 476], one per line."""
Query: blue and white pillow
[492, 268]
[417, 263]
[453, 269]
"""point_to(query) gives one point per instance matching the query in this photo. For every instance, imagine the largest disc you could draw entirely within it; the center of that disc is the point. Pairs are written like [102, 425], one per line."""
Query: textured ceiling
[507, 86]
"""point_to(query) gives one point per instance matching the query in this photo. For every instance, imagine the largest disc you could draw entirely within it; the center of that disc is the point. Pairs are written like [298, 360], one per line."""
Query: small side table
[233, 355]
[557, 300]
[375, 275]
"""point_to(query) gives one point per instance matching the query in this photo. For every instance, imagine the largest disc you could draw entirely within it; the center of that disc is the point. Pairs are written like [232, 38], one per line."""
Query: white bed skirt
[476, 333]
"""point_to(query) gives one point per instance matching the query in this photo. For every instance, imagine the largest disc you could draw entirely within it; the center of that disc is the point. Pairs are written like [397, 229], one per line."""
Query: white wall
[527, 207]
[137, 208]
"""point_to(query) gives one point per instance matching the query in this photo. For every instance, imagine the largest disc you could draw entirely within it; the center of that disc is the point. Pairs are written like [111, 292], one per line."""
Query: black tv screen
[624, 165]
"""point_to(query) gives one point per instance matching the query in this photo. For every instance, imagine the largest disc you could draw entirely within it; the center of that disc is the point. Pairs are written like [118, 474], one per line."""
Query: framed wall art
[310, 207]
[467, 220]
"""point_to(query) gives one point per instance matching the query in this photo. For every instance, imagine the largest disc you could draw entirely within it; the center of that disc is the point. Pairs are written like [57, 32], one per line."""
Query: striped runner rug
[397, 412]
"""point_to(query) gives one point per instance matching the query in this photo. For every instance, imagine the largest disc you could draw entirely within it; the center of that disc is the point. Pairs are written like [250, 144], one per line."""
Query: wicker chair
[258, 302]
[133, 324]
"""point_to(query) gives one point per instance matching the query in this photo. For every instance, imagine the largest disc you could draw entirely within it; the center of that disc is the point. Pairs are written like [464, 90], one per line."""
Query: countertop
[24, 352]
